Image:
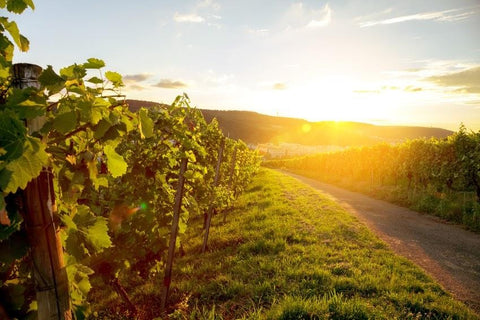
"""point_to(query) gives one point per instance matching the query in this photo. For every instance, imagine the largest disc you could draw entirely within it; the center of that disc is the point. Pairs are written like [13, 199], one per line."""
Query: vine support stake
[38, 198]
[231, 179]
[211, 207]
[177, 207]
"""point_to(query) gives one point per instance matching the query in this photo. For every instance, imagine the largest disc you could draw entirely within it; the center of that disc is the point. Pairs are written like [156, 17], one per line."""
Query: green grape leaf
[101, 128]
[115, 78]
[99, 102]
[18, 6]
[33, 306]
[115, 162]
[84, 286]
[12, 29]
[97, 234]
[20, 171]
[97, 115]
[145, 124]
[68, 222]
[73, 72]
[95, 80]
[30, 4]
[65, 122]
[12, 135]
[26, 103]
[75, 247]
[24, 44]
[84, 270]
[51, 80]
[99, 182]
[94, 63]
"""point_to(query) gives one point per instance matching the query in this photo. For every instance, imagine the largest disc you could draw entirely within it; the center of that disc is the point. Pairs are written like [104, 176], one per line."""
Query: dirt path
[447, 252]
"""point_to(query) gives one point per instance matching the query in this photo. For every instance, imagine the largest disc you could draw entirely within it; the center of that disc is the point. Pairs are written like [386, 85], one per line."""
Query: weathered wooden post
[231, 179]
[211, 207]
[38, 209]
[232, 165]
[177, 207]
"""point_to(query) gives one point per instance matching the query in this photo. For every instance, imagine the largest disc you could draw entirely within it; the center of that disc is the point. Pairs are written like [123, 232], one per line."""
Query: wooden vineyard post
[231, 182]
[232, 166]
[38, 209]
[211, 207]
[177, 207]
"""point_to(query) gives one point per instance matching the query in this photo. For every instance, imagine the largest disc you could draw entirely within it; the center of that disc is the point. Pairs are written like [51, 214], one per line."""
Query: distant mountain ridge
[253, 127]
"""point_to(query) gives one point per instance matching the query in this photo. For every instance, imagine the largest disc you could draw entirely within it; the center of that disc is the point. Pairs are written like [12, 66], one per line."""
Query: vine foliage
[114, 173]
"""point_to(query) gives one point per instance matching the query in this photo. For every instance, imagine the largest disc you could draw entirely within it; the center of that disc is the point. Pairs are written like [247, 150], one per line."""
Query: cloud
[465, 81]
[136, 87]
[473, 102]
[213, 79]
[412, 89]
[299, 16]
[322, 19]
[170, 84]
[446, 15]
[208, 4]
[374, 15]
[188, 18]
[367, 91]
[279, 86]
[139, 77]
[258, 32]
[390, 88]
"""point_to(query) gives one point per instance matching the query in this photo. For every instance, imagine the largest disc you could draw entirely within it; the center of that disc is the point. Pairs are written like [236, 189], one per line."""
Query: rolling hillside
[256, 128]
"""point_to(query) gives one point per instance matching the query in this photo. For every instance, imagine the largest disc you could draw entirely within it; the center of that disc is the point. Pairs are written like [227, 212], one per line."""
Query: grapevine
[111, 176]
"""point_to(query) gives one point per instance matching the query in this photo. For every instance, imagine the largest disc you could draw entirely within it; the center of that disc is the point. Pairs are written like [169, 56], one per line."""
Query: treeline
[91, 190]
[438, 176]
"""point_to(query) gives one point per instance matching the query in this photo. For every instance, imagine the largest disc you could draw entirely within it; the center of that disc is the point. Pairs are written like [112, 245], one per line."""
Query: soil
[447, 252]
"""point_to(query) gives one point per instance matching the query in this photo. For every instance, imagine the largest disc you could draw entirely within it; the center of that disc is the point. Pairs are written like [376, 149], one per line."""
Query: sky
[384, 62]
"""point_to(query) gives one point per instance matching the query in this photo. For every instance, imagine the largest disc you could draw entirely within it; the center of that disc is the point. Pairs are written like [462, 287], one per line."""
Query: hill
[256, 128]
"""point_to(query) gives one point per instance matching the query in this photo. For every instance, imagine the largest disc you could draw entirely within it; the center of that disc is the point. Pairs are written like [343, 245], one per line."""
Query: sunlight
[331, 98]
[306, 128]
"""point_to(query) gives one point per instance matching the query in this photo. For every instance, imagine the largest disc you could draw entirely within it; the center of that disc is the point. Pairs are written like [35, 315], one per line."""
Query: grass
[287, 252]
[458, 207]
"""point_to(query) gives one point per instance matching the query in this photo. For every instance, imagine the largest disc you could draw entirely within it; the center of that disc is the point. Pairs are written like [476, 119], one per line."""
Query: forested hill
[254, 127]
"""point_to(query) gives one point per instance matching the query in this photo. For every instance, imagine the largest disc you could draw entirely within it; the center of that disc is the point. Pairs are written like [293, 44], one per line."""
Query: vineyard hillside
[253, 127]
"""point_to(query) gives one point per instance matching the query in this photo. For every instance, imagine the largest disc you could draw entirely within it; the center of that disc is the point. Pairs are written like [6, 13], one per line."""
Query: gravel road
[448, 253]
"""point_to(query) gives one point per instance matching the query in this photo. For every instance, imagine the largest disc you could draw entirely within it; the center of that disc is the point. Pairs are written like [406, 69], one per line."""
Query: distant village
[285, 150]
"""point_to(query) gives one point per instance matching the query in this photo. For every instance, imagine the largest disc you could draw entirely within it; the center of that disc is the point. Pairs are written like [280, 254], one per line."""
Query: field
[436, 176]
[287, 252]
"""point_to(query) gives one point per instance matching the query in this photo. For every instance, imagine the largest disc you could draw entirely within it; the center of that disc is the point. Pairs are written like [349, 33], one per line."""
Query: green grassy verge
[457, 207]
[287, 252]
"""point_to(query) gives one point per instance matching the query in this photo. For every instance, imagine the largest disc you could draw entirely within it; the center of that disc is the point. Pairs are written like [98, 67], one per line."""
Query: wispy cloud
[188, 18]
[373, 16]
[213, 79]
[322, 18]
[139, 77]
[136, 87]
[170, 84]
[208, 4]
[382, 89]
[473, 102]
[299, 16]
[367, 91]
[134, 81]
[446, 16]
[412, 89]
[279, 86]
[464, 81]
[258, 32]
